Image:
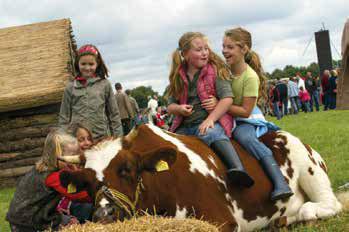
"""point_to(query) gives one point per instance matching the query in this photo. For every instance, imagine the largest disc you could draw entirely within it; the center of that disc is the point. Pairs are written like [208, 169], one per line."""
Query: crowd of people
[295, 94]
[209, 98]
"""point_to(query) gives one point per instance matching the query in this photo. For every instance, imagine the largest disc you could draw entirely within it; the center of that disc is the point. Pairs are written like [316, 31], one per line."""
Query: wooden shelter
[343, 80]
[36, 61]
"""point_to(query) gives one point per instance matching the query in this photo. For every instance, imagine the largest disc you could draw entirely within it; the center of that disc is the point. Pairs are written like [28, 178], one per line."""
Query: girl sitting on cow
[248, 85]
[33, 207]
[197, 74]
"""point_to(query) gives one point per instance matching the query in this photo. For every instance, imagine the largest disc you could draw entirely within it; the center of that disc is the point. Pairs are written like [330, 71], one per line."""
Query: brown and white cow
[196, 184]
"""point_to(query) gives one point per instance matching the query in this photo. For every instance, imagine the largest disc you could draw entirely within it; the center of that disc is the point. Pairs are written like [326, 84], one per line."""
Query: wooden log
[25, 132]
[9, 182]
[5, 157]
[19, 163]
[21, 145]
[12, 172]
[34, 120]
[45, 109]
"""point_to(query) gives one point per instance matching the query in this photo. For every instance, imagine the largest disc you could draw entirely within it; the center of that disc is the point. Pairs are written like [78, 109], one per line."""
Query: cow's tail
[343, 198]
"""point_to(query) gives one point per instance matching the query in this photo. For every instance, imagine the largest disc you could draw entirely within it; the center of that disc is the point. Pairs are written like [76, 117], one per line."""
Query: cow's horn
[131, 135]
[74, 159]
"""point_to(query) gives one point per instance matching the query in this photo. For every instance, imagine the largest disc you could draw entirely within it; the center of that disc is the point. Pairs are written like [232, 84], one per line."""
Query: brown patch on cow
[310, 170]
[280, 222]
[287, 180]
[289, 170]
[310, 153]
[323, 166]
[282, 211]
[278, 148]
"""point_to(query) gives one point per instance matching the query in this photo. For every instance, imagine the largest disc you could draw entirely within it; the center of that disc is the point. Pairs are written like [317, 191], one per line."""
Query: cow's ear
[160, 159]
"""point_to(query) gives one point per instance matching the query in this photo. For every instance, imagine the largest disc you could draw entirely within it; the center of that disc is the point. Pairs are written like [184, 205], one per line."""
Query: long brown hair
[243, 38]
[184, 44]
[102, 70]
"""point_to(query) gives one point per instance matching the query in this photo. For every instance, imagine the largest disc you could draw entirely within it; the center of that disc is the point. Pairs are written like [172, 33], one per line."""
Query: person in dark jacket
[283, 96]
[333, 90]
[33, 207]
[325, 85]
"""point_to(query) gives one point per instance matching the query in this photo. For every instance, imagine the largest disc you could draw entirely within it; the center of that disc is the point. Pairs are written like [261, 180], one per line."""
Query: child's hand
[186, 110]
[208, 123]
[210, 103]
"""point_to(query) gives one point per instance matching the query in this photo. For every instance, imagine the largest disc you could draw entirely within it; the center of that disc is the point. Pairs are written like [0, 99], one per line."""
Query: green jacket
[33, 204]
[93, 105]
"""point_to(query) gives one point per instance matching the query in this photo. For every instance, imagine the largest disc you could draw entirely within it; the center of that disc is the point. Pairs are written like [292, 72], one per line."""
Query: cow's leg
[314, 181]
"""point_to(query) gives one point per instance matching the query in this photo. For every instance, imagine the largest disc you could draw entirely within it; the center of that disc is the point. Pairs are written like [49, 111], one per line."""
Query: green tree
[141, 94]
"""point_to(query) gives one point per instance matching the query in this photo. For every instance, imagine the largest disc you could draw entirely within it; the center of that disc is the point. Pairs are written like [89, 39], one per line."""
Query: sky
[136, 37]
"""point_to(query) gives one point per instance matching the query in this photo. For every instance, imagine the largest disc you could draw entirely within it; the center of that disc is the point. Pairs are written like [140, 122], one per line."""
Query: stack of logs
[21, 143]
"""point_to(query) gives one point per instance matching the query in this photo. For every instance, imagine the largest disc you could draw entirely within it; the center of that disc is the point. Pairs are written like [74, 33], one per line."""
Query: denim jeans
[284, 106]
[294, 104]
[277, 110]
[332, 101]
[307, 106]
[245, 134]
[213, 134]
[316, 99]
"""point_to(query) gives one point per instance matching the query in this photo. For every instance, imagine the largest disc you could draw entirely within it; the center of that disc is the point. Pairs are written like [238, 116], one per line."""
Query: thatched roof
[35, 63]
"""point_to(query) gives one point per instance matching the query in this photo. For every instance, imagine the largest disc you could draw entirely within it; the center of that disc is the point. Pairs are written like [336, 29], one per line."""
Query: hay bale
[147, 223]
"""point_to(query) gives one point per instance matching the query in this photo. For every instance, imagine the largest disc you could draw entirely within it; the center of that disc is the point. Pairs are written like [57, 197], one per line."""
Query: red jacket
[53, 181]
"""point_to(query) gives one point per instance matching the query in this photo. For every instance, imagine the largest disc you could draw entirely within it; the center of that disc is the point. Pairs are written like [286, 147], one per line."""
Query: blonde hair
[243, 38]
[184, 44]
[55, 144]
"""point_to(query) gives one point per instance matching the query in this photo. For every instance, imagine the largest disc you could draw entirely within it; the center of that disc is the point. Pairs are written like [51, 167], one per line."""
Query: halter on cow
[180, 176]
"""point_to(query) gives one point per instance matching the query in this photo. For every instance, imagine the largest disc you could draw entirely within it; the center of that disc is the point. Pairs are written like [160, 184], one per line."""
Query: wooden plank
[34, 120]
[21, 145]
[25, 132]
[12, 172]
[5, 157]
[19, 163]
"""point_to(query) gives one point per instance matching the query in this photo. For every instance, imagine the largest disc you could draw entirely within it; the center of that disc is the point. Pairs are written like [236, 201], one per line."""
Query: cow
[175, 175]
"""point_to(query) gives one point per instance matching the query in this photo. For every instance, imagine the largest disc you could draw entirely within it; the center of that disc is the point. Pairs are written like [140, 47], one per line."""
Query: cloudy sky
[136, 37]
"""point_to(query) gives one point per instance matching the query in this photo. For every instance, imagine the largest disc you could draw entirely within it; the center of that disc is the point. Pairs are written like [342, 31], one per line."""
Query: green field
[327, 132]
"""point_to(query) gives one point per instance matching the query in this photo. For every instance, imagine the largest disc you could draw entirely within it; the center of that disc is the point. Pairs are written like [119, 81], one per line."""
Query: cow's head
[116, 195]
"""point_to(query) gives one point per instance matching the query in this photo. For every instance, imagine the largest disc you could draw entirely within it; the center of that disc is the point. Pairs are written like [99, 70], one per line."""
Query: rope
[120, 199]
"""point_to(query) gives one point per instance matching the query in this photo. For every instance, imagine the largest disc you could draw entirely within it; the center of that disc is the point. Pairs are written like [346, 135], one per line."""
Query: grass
[326, 132]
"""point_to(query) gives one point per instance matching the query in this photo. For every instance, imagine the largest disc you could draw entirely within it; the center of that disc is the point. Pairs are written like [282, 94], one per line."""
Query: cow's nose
[105, 214]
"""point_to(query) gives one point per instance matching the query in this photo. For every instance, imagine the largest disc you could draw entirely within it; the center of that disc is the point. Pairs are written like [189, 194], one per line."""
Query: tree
[141, 94]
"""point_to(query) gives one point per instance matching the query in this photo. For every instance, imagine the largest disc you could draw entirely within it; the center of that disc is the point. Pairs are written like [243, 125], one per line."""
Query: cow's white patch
[180, 213]
[99, 157]
[212, 160]
[196, 162]
[103, 202]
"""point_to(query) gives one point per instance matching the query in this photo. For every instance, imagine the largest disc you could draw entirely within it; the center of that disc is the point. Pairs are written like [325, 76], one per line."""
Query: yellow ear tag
[161, 166]
[71, 188]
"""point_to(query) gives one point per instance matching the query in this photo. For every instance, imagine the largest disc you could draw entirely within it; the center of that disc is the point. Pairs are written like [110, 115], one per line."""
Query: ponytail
[176, 83]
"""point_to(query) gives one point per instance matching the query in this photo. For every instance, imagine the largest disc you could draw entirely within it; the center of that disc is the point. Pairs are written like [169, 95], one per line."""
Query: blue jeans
[213, 134]
[245, 134]
[307, 106]
[316, 97]
[332, 101]
[285, 106]
[277, 110]
[294, 104]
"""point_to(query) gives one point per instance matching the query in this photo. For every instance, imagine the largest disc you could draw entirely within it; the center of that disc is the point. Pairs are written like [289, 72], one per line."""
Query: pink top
[304, 96]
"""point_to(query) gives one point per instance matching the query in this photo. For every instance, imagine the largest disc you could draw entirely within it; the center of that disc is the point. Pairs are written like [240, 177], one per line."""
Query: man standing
[283, 96]
[134, 105]
[125, 108]
[152, 105]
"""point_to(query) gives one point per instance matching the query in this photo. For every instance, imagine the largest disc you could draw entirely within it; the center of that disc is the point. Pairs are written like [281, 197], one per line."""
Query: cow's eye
[124, 171]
